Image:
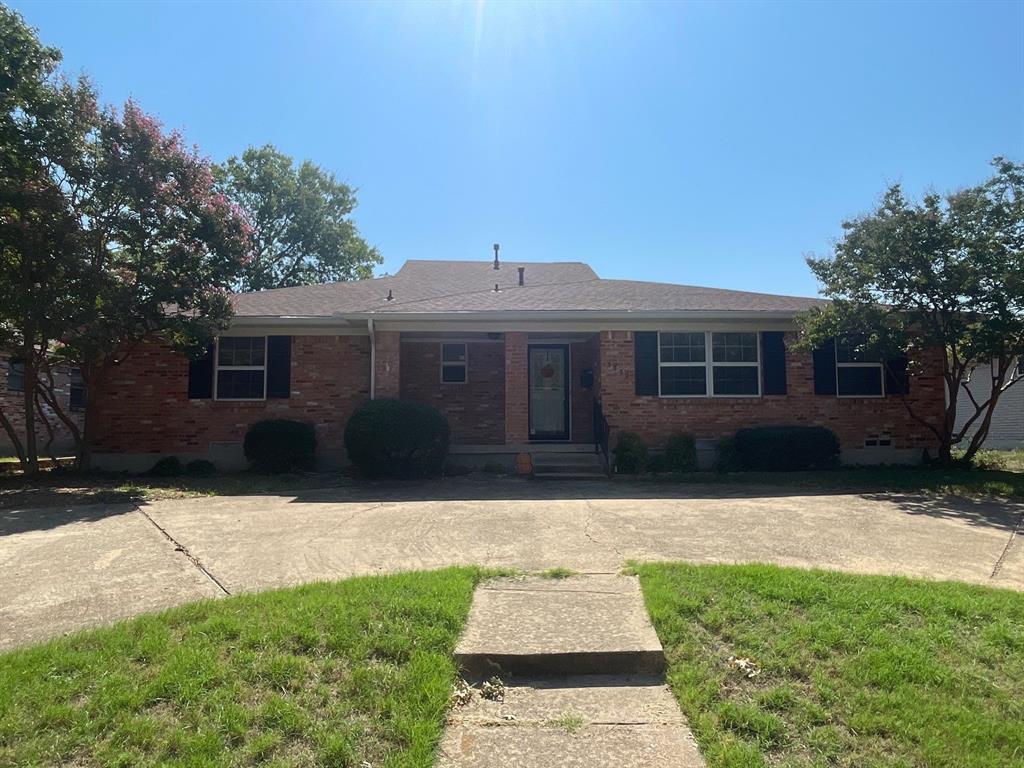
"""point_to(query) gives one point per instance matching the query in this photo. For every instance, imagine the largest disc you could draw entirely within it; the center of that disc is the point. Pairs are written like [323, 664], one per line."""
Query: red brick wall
[12, 404]
[475, 409]
[583, 357]
[143, 405]
[388, 360]
[852, 419]
[517, 389]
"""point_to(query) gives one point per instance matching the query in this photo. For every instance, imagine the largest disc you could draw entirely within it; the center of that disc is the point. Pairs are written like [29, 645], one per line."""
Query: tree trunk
[12, 433]
[29, 381]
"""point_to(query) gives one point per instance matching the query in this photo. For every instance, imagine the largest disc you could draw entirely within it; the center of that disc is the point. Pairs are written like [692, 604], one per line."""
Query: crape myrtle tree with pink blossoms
[111, 231]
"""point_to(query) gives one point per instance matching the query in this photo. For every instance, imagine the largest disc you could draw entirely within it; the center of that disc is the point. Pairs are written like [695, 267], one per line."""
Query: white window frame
[464, 363]
[217, 368]
[878, 365]
[712, 364]
[709, 365]
[702, 364]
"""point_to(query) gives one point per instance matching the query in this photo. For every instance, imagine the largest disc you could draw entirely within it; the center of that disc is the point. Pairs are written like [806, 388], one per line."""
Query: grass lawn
[1001, 475]
[351, 673]
[854, 671]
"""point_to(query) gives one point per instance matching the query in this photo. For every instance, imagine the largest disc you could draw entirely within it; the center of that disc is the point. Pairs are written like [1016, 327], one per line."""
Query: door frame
[567, 400]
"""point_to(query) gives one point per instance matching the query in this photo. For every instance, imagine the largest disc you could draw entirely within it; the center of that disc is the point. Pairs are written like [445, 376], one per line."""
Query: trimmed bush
[274, 446]
[168, 466]
[631, 456]
[494, 468]
[397, 438]
[680, 453]
[728, 456]
[200, 468]
[787, 448]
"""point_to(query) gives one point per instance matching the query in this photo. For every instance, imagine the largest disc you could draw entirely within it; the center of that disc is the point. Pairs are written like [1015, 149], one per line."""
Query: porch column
[517, 389]
[388, 360]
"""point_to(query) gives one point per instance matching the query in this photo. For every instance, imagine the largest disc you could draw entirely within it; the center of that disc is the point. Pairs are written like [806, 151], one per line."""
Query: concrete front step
[568, 466]
[596, 721]
[582, 625]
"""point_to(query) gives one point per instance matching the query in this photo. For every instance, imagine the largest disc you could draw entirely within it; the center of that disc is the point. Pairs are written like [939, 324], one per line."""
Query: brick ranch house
[52, 436]
[519, 356]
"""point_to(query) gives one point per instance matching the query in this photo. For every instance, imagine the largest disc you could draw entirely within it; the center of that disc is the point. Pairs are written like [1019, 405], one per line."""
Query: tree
[111, 232]
[43, 119]
[946, 274]
[300, 219]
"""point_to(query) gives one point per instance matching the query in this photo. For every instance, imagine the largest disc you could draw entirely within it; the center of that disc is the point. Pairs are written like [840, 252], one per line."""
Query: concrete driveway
[64, 569]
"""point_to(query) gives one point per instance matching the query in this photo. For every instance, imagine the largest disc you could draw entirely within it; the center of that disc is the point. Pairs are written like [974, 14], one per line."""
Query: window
[856, 375]
[453, 363]
[241, 368]
[77, 398]
[684, 369]
[682, 366]
[735, 369]
[16, 375]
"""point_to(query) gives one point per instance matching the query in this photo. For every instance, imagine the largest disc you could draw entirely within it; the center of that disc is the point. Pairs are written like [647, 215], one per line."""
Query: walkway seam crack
[179, 547]
[1017, 530]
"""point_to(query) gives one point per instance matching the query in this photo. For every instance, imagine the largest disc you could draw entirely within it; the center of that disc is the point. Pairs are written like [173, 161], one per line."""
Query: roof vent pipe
[390, 297]
[522, 272]
[496, 249]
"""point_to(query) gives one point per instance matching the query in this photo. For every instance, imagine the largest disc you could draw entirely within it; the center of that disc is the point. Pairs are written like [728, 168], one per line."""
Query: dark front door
[549, 392]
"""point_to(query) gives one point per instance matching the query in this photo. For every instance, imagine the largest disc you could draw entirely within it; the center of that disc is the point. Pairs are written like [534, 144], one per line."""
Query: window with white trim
[733, 370]
[736, 369]
[856, 374]
[241, 368]
[682, 364]
[453, 363]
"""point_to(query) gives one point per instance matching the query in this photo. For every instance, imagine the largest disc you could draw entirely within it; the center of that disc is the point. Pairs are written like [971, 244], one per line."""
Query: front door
[549, 392]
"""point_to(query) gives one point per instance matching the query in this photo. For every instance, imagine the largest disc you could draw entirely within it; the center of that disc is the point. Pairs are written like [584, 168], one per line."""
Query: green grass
[326, 674]
[1000, 476]
[557, 573]
[855, 671]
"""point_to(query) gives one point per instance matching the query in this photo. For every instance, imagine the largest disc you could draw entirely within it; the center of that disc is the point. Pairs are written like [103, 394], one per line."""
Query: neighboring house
[1007, 428]
[71, 396]
[519, 356]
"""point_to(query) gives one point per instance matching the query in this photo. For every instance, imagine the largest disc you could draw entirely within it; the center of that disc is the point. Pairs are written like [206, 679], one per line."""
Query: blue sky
[702, 143]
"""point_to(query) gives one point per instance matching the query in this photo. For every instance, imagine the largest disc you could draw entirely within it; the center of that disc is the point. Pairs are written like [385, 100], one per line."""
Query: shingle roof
[445, 287]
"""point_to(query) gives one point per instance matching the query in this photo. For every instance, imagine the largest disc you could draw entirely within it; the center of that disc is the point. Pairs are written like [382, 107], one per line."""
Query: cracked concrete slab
[75, 573]
[262, 542]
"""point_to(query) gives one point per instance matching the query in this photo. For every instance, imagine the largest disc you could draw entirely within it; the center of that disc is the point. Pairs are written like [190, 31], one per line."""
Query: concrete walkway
[65, 569]
[595, 696]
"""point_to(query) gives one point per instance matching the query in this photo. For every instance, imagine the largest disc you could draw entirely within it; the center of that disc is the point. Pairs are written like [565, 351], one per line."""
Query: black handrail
[602, 432]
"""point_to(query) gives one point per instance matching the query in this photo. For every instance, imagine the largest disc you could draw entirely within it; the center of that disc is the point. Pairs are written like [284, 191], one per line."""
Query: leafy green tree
[301, 221]
[945, 274]
[43, 122]
[111, 232]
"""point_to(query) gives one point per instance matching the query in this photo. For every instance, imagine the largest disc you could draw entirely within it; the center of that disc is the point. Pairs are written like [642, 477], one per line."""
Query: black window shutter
[645, 352]
[773, 363]
[825, 368]
[200, 376]
[897, 382]
[279, 366]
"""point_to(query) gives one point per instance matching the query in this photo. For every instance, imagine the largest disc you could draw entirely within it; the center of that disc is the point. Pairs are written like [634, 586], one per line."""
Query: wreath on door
[548, 371]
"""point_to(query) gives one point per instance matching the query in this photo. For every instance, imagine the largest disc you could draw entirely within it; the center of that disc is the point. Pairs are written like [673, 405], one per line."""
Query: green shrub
[200, 468]
[168, 466]
[280, 445]
[397, 438]
[631, 455]
[728, 456]
[680, 453]
[494, 468]
[787, 448]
